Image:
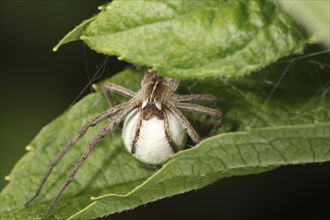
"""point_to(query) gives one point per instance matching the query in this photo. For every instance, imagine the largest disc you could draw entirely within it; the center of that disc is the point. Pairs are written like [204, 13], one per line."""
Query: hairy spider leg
[111, 87]
[198, 97]
[168, 133]
[137, 132]
[107, 89]
[201, 97]
[81, 132]
[204, 110]
[185, 123]
[104, 132]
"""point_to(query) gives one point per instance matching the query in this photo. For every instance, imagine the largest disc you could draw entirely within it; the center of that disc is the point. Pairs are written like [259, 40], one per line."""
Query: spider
[154, 127]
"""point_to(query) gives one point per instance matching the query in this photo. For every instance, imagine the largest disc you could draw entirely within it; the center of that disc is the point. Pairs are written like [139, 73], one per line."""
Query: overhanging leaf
[314, 15]
[190, 39]
[74, 34]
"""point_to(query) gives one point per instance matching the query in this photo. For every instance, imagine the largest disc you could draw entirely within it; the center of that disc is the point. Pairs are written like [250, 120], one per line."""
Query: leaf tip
[121, 57]
[101, 7]
[83, 37]
[104, 7]
[7, 178]
[29, 148]
[95, 87]
[55, 49]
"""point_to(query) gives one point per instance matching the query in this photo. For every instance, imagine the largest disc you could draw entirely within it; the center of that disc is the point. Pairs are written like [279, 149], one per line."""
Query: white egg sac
[152, 146]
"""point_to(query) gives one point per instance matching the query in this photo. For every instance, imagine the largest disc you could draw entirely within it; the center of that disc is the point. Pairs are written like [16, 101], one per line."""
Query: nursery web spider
[153, 129]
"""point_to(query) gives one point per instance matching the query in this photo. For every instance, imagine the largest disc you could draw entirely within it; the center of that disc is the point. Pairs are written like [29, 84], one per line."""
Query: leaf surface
[195, 39]
[314, 15]
[231, 154]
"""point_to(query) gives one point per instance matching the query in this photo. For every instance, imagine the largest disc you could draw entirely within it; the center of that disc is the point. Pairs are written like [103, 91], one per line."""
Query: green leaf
[195, 39]
[74, 34]
[276, 117]
[98, 176]
[231, 154]
[314, 15]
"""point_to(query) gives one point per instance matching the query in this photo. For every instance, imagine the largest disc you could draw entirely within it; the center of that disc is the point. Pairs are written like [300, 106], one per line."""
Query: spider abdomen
[152, 145]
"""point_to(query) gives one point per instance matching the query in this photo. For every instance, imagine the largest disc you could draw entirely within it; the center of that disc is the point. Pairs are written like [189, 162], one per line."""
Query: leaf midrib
[165, 20]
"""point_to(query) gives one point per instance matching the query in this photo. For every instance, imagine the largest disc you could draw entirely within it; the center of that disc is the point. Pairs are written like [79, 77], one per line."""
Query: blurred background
[37, 85]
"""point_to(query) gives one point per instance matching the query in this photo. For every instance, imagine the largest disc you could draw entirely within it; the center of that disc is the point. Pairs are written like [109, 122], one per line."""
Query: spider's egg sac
[152, 146]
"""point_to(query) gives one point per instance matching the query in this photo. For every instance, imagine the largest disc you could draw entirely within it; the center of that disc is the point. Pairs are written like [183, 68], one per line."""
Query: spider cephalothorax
[154, 126]
[156, 89]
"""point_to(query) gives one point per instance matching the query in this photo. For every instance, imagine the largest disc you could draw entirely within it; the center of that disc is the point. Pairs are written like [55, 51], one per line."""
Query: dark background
[37, 85]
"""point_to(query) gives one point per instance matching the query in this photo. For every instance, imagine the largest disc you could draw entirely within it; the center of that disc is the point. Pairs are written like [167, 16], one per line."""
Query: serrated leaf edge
[174, 156]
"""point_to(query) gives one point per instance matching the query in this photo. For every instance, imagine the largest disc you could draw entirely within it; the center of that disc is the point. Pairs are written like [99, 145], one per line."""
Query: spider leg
[168, 134]
[198, 97]
[108, 88]
[204, 110]
[137, 132]
[105, 131]
[184, 121]
[80, 133]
